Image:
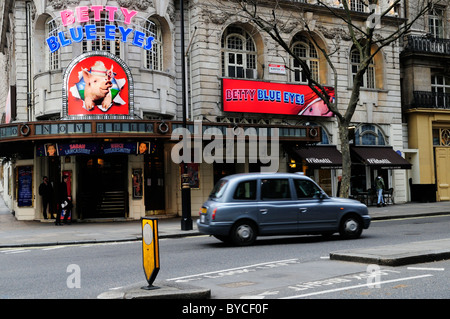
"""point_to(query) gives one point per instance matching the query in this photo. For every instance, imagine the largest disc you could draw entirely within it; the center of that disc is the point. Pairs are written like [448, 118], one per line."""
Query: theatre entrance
[102, 186]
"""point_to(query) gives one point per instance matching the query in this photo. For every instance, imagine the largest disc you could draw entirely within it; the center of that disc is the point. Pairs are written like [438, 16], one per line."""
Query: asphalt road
[278, 267]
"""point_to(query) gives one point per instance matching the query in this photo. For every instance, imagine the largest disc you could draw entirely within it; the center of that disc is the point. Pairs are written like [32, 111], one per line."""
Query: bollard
[150, 250]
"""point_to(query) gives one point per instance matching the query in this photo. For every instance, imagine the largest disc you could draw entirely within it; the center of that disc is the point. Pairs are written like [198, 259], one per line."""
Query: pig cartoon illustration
[98, 84]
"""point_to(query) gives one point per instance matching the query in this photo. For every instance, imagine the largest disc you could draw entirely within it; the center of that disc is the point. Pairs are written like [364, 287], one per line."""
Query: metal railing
[433, 100]
[427, 44]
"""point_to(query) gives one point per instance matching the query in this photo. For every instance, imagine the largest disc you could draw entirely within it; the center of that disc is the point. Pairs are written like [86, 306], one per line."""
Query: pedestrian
[379, 186]
[46, 191]
[65, 201]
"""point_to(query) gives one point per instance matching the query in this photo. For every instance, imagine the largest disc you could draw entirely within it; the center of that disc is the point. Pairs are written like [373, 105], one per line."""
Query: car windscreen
[218, 189]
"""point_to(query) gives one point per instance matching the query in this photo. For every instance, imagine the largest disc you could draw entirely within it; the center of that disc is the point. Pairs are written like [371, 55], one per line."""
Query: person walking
[46, 192]
[65, 201]
[379, 186]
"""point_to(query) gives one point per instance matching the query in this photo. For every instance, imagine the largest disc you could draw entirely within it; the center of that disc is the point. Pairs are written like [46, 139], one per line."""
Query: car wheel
[351, 227]
[243, 233]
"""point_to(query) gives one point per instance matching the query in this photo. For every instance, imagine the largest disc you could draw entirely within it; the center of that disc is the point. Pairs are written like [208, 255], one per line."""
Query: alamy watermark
[74, 279]
[227, 145]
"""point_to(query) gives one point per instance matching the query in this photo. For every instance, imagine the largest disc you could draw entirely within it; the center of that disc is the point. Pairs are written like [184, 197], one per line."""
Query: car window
[272, 189]
[305, 189]
[218, 189]
[245, 190]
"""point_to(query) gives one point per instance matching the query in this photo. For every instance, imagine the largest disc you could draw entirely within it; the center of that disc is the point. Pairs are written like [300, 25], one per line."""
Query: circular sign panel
[147, 234]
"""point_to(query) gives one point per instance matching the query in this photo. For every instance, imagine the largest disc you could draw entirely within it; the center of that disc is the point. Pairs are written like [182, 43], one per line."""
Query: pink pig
[98, 84]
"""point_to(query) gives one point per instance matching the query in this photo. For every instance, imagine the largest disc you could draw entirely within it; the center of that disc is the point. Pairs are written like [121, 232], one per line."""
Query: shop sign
[106, 148]
[273, 98]
[77, 33]
[277, 68]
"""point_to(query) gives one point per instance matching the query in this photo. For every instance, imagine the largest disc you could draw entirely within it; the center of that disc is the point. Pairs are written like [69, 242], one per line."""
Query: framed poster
[192, 171]
[25, 186]
[137, 183]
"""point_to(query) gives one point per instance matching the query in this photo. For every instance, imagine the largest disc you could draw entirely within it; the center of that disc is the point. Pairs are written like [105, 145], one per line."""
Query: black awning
[319, 156]
[382, 157]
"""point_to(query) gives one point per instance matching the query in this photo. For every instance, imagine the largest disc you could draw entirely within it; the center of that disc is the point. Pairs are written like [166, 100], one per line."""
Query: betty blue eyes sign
[89, 32]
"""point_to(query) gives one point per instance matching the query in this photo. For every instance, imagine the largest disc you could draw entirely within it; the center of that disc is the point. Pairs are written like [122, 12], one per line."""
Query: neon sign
[88, 32]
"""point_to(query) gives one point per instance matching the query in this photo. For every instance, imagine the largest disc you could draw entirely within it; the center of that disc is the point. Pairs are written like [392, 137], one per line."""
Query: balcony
[427, 44]
[431, 100]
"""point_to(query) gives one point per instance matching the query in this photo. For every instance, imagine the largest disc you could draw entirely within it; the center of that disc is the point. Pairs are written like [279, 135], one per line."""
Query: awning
[319, 156]
[381, 157]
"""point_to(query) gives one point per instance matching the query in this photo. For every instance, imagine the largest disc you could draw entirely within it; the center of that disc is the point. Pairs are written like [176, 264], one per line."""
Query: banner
[247, 96]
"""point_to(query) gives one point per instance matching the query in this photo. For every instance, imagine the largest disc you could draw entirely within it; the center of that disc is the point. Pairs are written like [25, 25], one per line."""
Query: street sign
[150, 250]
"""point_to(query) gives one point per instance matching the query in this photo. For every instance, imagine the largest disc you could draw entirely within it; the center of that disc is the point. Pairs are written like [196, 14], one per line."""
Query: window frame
[311, 57]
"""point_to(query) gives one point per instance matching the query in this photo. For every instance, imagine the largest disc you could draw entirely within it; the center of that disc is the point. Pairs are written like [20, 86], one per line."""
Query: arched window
[101, 43]
[51, 29]
[305, 50]
[369, 76]
[238, 54]
[154, 57]
[369, 134]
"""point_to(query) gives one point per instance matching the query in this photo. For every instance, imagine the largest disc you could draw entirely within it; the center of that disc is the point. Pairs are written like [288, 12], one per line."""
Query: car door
[277, 211]
[316, 212]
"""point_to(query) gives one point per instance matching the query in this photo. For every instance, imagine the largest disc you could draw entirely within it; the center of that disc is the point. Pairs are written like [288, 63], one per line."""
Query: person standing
[46, 191]
[379, 186]
[65, 201]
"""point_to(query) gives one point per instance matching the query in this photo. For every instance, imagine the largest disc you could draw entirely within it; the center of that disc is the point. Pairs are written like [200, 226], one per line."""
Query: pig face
[97, 89]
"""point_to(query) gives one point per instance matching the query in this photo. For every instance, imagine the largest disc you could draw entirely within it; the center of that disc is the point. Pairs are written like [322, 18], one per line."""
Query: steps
[112, 204]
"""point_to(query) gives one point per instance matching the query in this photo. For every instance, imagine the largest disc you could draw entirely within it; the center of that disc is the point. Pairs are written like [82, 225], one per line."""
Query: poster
[97, 85]
[25, 186]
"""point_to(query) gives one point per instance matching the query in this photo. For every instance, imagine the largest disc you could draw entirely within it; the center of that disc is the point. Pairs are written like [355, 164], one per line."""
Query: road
[275, 267]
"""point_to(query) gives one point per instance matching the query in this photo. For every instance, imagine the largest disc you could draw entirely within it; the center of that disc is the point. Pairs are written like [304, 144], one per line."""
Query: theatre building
[93, 89]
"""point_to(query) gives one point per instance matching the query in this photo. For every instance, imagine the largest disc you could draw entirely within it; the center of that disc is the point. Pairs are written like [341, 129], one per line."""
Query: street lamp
[186, 220]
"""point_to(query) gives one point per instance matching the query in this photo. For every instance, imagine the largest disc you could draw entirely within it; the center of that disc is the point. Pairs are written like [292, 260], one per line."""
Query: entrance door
[154, 180]
[443, 173]
[102, 187]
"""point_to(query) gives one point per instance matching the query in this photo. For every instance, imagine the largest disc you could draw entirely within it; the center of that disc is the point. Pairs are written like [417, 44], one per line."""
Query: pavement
[17, 234]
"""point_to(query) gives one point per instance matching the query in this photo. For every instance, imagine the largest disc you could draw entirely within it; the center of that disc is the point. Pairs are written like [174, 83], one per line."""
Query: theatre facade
[93, 90]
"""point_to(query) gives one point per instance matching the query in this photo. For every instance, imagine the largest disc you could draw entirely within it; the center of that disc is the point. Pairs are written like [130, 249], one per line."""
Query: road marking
[16, 251]
[356, 286]
[426, 269]
[233, 269]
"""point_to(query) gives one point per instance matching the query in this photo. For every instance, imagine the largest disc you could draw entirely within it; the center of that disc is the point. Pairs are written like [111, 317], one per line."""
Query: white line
[355, 287]
[426, 269]
[214, 272]
[17, 251]
[54, 247]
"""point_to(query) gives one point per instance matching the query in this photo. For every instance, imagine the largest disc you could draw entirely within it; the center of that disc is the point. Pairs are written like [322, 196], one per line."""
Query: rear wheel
[243, 233]
[351, 227]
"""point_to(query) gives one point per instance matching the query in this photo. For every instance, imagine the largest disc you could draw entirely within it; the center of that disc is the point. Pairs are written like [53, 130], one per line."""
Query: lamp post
[186, 220]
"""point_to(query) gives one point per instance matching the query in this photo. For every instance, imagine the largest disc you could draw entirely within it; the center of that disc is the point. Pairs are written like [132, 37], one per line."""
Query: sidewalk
[14, 233]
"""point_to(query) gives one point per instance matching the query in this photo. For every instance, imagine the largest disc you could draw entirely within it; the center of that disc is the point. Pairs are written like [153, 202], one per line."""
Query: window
[440, 86]
[306, 189]
[369, 76]
[369, 134]
[154, 57]
[275, 189]
[101, 43]
[245, 191]
[51, 29]
[435, 22]
[357, 5]
[305, 50]
[238, 54]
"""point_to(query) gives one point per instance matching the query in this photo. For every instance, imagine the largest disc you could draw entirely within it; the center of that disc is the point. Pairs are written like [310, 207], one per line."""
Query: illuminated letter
[82, 14]
[138, 38]
[149, 43]
[97, 10]
[67, 17]
[110, 31]
[91, 31]
[63, 40]
[124, 33]
[79, 37]
[128, 15]
[53, 43]
[111, 11]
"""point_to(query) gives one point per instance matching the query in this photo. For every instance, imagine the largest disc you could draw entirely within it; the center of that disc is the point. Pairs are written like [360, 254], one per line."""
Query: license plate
[203, 210]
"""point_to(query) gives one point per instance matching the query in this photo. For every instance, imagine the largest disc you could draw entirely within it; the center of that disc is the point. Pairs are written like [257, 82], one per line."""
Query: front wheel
[351, 227]
[243, 233]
